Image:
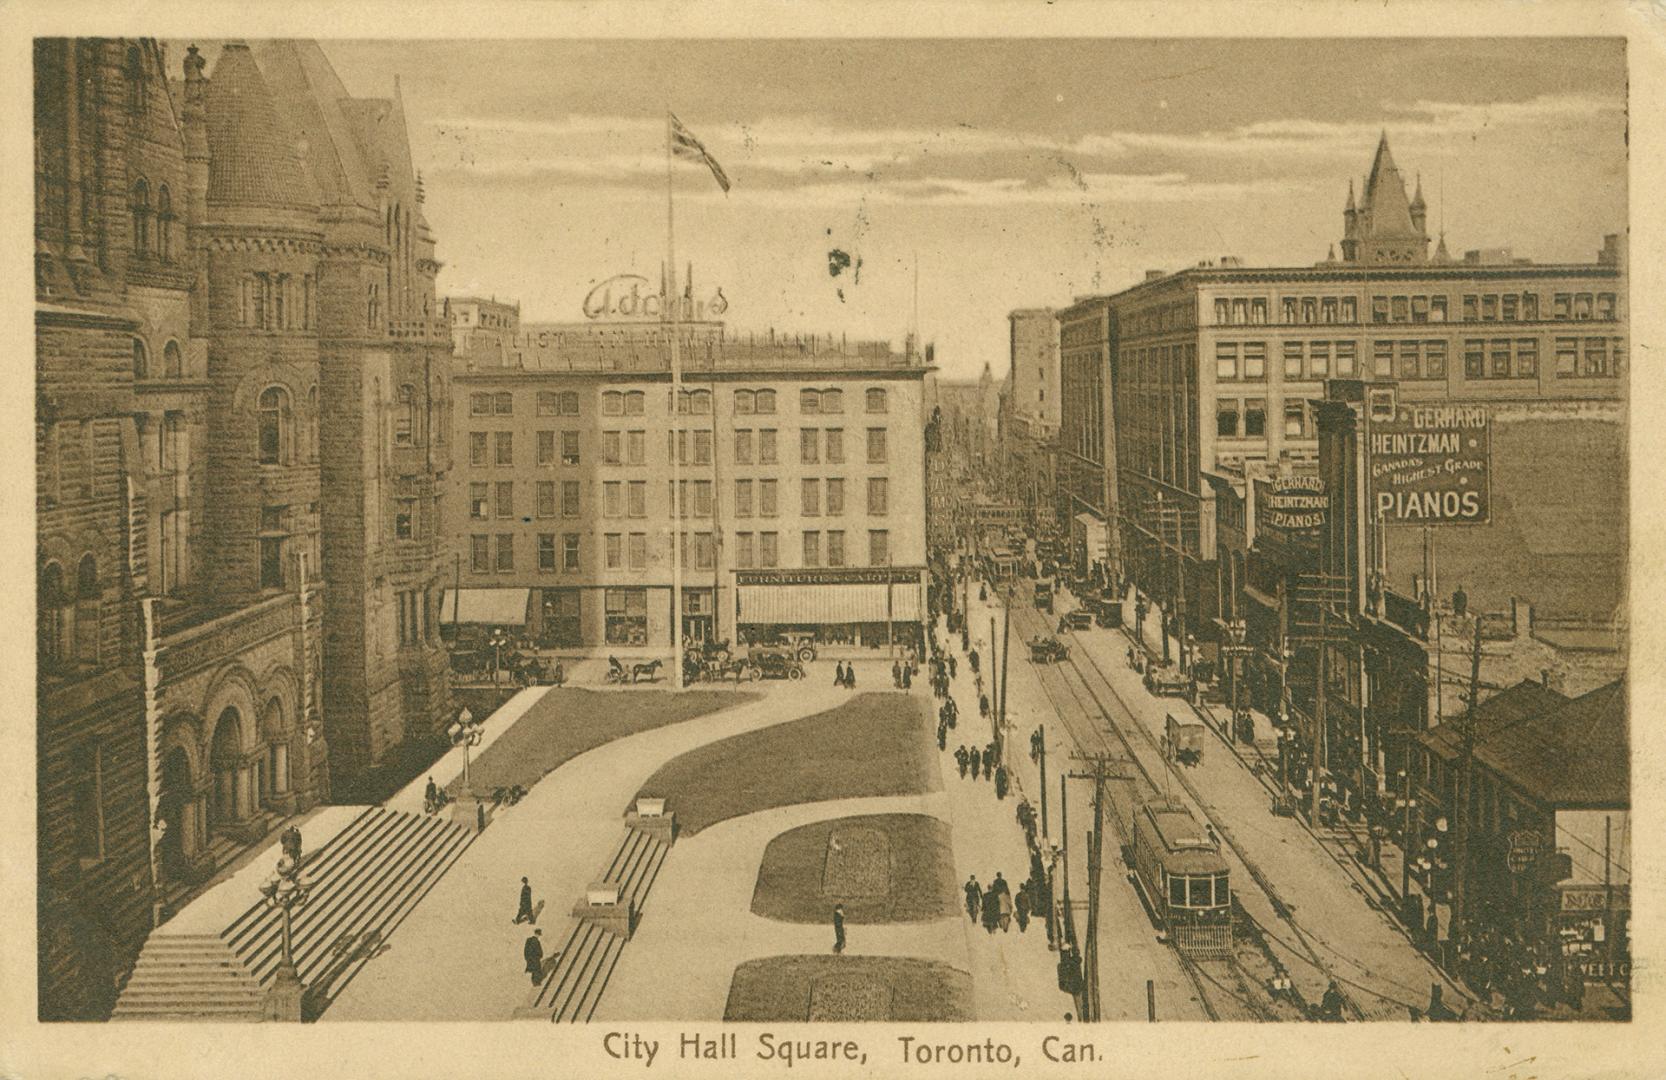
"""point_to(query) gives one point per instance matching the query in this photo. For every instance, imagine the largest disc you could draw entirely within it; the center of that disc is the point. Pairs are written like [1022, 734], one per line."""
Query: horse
[650, 669]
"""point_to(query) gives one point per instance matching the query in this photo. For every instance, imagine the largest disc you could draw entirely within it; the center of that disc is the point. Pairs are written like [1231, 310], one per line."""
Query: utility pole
[1460, 867]
[1104, 767]
[1006, 639]
[1325, 591]
[994, 689]
[1043, 774]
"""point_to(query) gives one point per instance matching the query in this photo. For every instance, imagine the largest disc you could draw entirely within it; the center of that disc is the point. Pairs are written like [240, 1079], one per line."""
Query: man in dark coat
[524, 912]
[534, 953]
[896, 674]
[960, 760]
[942, 735]
[974, 898]
[838, 928]
[1021, 907]
[839, 674]
[1000, 781]
[907, 678]
[991, 910]
[850, 676]
[977, 763]
[952, 665]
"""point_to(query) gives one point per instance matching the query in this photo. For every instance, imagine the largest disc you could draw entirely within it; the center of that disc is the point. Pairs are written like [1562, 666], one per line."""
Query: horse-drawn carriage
[713, 661]
[618, 673]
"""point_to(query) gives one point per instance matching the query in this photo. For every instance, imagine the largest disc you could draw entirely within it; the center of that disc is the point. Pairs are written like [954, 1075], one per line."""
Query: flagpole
[674, 301]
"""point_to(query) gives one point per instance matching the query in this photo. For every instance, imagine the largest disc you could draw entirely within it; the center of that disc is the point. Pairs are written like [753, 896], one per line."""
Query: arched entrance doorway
[177, 810]
[231, 797]
[274, 765]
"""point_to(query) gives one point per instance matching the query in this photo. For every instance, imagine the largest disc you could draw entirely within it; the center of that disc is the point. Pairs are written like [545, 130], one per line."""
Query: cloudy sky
[1018, 173]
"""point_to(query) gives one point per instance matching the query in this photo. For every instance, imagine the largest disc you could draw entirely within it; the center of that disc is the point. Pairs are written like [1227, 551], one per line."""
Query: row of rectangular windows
[692, 402]
[621, 499]
[490, 553]
[1591, 357]
[1416, 308]
[630, 447]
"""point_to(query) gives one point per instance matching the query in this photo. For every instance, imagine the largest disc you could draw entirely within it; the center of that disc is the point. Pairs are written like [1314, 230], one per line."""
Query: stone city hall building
[238, 368]
[802, 500]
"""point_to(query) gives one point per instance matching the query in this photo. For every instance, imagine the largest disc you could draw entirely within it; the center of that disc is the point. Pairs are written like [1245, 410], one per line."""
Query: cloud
[808, 160]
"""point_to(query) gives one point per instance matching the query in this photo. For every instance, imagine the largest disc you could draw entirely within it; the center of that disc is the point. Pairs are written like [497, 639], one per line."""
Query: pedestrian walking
[524, 912]
[989, 761]
[1021, 907]
[952, 665]
[534, 953]
[991, 911]
[850, 676]
[942, 735]
[1330, 1006]
[838, 928]
[983, 704]
[1000, 781]
[960, 760]
[839, 674]
[972, 658]
[1004, 909]
[1000, 885]
[977, 764]
[896, 674]
[431, 796]
[974, 897]
[907, 678]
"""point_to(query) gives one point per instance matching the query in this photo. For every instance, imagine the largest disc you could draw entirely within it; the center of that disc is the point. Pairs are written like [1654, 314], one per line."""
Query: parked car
[775, 663]
[801, 644]
[1079, 619]
[1046, 650]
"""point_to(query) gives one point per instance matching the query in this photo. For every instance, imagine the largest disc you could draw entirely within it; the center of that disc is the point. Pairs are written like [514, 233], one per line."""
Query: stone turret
[1384, 228]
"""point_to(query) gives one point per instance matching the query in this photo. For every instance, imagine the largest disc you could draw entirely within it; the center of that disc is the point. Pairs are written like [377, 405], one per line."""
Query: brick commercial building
[802, 473]
[1210, 373]
[236, 355]
[1086, 465]
[1029, 430]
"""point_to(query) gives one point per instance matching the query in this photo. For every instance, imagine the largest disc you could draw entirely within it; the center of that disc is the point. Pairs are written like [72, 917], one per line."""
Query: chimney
[1153, 275]
[1610, 253]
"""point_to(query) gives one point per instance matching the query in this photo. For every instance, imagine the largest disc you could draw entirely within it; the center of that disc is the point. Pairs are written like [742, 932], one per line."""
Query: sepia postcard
[537, 510]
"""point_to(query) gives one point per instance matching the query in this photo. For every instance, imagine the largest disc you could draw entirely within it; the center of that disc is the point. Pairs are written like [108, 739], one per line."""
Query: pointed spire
[1330, 255]
[1441, 254]
[1417, 199]
[1351, 196]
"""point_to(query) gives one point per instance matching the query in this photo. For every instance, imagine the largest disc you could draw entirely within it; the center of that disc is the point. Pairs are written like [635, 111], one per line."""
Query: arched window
[404, 417]
[53, 617]
[135, 79]
[164, 223]
[809, 401]
[274, 426]
[876, 400]
[766, 401]
[141, 360]
[832, 401]
[141, 217]
[173, 364]
[744, 402]
[86, 610]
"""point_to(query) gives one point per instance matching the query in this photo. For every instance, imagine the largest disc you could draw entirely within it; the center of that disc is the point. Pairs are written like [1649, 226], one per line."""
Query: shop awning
[490, 607]
[833, 604]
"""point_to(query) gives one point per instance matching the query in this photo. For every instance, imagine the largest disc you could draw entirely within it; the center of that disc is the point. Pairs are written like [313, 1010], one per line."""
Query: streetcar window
[1223, 892]
[1201, 888]
[1177, 891]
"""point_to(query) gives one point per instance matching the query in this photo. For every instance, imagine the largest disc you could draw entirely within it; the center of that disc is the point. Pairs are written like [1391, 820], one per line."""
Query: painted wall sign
[900, 575]
[1431, 465]
[630, 297]
[1297, 504]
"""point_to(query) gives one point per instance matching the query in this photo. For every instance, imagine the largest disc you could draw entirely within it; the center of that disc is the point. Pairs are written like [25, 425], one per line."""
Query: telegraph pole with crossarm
[1103, 767]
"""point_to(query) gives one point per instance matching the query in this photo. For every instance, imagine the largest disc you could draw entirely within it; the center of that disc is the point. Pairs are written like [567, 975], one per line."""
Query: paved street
[1317, 919]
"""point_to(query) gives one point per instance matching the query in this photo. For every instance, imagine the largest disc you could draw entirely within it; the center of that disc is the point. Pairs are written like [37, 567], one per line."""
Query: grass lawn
[564, 723]
[901, 989]
[874, 744]
[884, 868]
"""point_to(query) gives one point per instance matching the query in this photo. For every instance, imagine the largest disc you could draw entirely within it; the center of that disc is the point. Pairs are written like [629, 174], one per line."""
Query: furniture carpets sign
[1431, 465]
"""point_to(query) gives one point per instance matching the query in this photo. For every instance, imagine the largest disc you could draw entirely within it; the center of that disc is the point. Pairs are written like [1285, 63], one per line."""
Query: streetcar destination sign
[1431, 465]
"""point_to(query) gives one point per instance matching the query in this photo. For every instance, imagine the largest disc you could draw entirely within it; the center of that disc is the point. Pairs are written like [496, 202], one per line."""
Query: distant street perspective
[828, 544]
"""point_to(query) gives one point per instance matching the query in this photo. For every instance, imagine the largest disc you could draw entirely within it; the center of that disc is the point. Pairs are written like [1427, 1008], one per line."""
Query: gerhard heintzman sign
[1431, 465]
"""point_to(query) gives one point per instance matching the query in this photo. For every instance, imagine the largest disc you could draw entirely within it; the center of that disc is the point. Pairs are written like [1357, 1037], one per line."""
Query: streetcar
[1178, 869]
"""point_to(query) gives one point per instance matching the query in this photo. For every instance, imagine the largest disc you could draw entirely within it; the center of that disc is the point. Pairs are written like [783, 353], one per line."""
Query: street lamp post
[285, 892]
[465, 731]
[498, 640]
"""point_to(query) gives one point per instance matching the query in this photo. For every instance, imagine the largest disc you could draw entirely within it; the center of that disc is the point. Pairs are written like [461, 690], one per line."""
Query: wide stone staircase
[363, 883]
[193, 976]
[603, 921]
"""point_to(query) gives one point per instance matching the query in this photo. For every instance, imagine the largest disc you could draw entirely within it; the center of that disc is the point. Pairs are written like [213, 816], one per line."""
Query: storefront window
[627, 616]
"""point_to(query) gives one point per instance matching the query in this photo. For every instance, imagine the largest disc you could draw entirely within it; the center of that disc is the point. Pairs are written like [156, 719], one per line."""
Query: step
[238, 1013]
[564, 978]
[548, 989]
[321, 866]
[601, 972]
[193, 998]
[368, 908]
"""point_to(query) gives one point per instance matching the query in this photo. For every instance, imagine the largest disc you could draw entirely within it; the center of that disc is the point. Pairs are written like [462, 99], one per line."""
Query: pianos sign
[1431, 465]
[1297, 504]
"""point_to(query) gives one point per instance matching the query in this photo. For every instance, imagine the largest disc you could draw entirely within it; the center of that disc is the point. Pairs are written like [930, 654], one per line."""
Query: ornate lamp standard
[285, 891]
[498, 639]
[465, 731]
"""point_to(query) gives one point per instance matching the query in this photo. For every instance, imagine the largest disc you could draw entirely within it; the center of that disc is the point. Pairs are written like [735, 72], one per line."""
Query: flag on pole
[685, 145]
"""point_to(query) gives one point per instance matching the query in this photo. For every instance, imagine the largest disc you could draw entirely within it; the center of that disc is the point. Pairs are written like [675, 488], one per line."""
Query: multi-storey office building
[1030, 413]
[1216, 367]
[800, 473]
[235, 357]
[1086, 465]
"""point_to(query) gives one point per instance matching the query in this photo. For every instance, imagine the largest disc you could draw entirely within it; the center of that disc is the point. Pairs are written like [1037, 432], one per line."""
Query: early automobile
[1166, 681]
[1182, 740]
[1046, 650]
[801, 644]
[1079, 619]
[774, 663]
[1044, 596]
